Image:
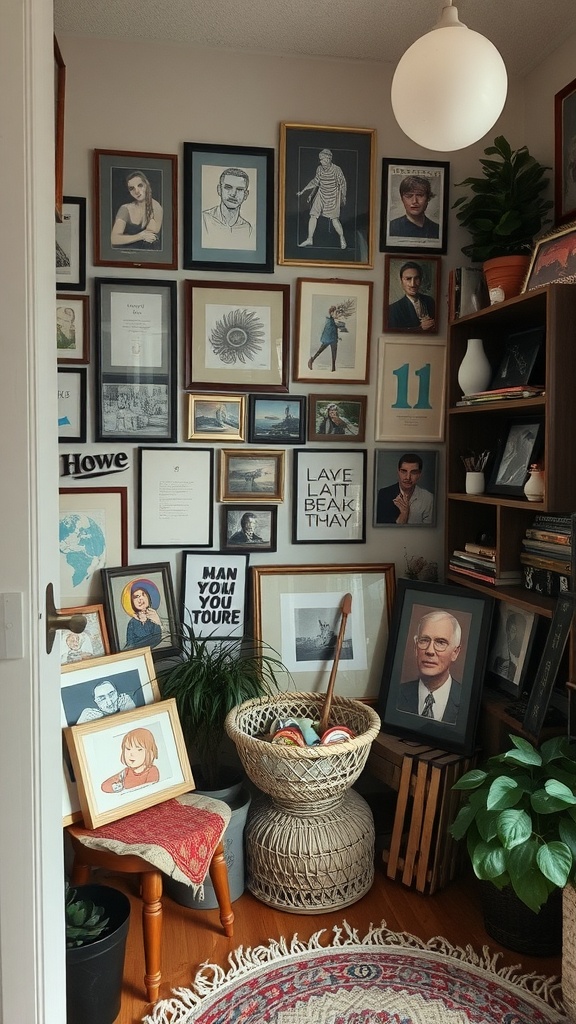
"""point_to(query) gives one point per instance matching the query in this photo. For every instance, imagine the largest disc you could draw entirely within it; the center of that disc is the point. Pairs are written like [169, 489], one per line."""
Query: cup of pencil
[475, 464]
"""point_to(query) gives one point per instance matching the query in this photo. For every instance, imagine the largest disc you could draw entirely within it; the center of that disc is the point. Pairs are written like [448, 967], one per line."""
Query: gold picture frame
[252, 475]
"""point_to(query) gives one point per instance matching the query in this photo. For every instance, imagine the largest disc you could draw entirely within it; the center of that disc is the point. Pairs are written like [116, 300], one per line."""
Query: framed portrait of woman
[141, 609]
[135, 209]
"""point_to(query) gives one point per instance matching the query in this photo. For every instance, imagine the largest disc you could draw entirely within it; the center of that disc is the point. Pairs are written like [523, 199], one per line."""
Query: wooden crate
[422, 854]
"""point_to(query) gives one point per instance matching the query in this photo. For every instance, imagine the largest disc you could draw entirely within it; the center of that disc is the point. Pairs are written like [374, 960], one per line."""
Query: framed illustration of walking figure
[326, 196]
[333, 320]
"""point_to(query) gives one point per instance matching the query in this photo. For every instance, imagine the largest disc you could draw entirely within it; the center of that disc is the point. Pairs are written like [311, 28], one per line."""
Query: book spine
[489, 568]
[547, 521]
[480, 549]
[548, 535]
[540, 562]
[544, 581]
[494, 581]
[545, 547]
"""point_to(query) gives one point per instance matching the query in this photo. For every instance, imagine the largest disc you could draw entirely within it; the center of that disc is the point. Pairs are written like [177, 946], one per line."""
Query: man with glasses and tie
[435, 694]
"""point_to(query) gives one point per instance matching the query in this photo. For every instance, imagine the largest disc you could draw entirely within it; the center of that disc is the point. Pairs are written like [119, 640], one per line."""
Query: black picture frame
[205, 230]
[329, 496]
[155, 578]
[398, 709]
[511, 643]
[135, 360]
[399, 314]
[70, 245]
[265, 528]
[214, 593]
[519, 359]
[277, 419]
[72, 405]
[519, 447]
[175, 497]
[548, 666]
[393, 211]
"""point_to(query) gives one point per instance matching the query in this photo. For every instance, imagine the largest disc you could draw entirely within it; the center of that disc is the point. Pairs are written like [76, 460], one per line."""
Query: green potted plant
[97, 919]
[519, 820]
[504, 211]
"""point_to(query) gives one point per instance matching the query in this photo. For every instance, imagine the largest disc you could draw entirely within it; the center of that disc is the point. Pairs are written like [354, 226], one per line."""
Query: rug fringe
[212, 977]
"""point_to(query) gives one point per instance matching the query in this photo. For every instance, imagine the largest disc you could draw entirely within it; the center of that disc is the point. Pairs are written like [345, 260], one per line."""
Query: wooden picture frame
[412, 295]
[297, 611]
[216, 418]
[394, 464]
[337, 418]
[400, 701]
[59, 107]
[520, 446]
[214, 590]
[253, 475]
[548, 666]
[276, 419]
[553, 259]
[99, 748]
[250, 529]
[72, 404]
[141, 608]
[410, 389]
[93, 533]
[91, 643]
[403, 181]
[72, 329]
[329, 496]
[135, 209]
[228, 208]
[310, 157]
[565, 154]
[136, 369]
[236, 336]
[511, 641]
[175, 497]
[333, 331]
[70, 245]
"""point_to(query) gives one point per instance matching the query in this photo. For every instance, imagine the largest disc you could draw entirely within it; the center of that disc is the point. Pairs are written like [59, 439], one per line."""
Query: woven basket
[301, 774]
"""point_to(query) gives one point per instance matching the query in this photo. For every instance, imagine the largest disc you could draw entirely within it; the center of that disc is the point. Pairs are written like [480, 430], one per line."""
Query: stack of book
[479, 563]
[546, 556]
[502, 394]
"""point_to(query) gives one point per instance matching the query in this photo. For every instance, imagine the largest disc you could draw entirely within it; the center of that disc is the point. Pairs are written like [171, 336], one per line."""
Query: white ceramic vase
[475, 371]
[534, 486]
[474, 482]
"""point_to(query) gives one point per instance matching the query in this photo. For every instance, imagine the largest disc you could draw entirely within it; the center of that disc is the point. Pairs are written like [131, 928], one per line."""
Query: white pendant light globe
[450, 86]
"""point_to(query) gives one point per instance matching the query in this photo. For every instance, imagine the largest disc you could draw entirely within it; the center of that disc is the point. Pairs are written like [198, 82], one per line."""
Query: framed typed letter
[175, 497]
[93, 532]
[414, 210]
[333, 324]
[329, 496]
[228, 208]
[136, 360]
[410, 389]
[214, 593]
[297, 611]
[71, 245]
[135, 209]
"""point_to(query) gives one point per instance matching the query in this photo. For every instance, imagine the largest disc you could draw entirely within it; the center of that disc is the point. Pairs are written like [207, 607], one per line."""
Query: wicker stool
[310, 841]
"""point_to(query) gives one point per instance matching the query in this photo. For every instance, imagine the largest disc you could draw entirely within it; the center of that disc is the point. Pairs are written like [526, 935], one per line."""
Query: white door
[31, 873]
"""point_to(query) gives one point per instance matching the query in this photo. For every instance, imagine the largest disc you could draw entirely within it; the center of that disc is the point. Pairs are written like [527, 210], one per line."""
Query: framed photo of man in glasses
[435, 662]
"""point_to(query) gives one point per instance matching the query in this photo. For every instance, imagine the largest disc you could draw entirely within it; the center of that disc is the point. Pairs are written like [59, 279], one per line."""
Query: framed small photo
[125, 763]
[333, 328]
[136, 360]
[216, 418]
[329, 496]
[228, 208]
[565, 154]
[405, 487]
[236, 336]
[412, 295]
[91, 643]
[72, 329]
[252, 475]
[93, 533]
[175, 497]
[336, 417]
[249, 529]
[135, 209]
[326, 196]
[141, 609]
[513, 632]
[414, 209]
[520, 358]
[435, 662]
[71, 245]
[549, 665]
[276, 419]
[72, 405]
[214, 593]
[553, 259]
[521, 446]
[410, 389]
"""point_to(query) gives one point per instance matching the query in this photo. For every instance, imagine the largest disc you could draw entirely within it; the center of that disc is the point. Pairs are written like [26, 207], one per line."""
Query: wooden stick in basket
[346, 609]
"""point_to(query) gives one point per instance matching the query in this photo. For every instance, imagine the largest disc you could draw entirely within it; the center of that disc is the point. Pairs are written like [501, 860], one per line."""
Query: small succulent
[85, 920]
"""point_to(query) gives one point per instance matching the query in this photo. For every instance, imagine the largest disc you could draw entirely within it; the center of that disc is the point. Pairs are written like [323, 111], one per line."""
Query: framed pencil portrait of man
[414, 210]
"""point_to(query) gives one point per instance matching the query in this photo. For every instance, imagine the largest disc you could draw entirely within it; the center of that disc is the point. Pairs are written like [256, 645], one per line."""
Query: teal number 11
[423, 375]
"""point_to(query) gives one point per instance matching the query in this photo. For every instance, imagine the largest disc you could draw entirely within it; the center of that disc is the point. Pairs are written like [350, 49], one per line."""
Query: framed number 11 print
[410, 389]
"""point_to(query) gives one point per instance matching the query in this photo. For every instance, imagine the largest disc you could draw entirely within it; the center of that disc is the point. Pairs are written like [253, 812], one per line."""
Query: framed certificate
[175, 505]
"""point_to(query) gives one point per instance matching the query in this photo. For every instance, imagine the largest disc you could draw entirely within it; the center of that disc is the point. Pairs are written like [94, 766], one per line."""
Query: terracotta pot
[505, 276]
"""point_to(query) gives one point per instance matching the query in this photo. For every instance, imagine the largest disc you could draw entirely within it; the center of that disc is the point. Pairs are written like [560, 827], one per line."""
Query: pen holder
[474, 483]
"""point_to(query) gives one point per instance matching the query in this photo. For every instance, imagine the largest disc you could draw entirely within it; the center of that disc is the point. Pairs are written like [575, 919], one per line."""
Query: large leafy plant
[506, 209]
[519, 818]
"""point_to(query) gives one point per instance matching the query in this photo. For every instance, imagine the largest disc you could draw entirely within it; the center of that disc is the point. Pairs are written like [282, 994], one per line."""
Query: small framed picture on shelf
[72, 329]
[412, 295]
[252, 475]
[276, 419]
[337, 417]
[519, 359]
[520, 447]
[548, 666]
[414, 208]
[512, 637]
[71, 245]
[553, 259]
[249, 529]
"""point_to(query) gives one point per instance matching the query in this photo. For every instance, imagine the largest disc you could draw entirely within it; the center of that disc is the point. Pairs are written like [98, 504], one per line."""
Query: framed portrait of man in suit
[435, 663]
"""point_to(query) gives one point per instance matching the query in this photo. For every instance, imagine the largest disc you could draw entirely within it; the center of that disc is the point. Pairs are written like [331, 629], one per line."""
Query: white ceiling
[525, 31]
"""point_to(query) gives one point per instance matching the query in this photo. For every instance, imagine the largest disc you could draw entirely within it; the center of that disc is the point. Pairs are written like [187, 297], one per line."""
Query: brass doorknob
[55, 620]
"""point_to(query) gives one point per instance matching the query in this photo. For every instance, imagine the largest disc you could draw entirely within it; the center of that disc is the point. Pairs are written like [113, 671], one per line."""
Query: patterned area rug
[384, 978]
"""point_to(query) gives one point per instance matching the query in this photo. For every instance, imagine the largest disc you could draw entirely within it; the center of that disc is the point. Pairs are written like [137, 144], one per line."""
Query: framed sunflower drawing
[236, 336]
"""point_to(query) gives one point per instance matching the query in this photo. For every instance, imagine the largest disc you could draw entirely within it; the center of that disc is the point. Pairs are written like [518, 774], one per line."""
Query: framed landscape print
[228, 208]
[326, 196]
[333, 327]
[410, 389]
[93, 533]
[135, 209]
[336, 417]
[247, 528]
[175, 497]
[216, 418]
[412, 295]
[252, 475]
[236, 336]
[72, 329]
[329, 496]
[141, 609]
[565, 154]
[72, 405]
[71, 245]
[214, 593]
[135, 360]
[276, 419]
[414, 208]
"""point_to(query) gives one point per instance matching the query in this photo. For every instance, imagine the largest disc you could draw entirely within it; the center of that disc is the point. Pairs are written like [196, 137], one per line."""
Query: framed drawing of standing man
[414, 211]
[228, 208]
[325, 196]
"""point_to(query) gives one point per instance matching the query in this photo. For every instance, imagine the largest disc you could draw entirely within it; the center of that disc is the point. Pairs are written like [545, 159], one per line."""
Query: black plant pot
[508, 920]
[94, 972]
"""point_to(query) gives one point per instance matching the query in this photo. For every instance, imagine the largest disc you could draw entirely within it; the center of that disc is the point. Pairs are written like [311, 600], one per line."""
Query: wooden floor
[191, 937]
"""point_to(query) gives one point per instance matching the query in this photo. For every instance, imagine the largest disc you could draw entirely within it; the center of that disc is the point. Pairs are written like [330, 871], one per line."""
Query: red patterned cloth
[178, 836]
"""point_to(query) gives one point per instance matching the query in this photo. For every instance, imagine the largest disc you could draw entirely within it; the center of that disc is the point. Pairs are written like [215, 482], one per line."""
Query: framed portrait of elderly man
[435, 662]
[412, 295]
[228, 208]
[414, 209]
